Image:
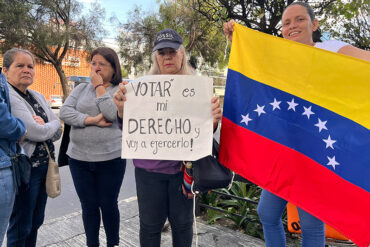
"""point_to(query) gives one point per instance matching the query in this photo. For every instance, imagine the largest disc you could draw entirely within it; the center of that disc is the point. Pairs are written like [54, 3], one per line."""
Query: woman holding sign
[159, 182]
[298, 24]
[95, 146]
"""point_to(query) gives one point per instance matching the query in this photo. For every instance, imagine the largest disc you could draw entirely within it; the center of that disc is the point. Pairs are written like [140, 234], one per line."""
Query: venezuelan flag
[296, 122]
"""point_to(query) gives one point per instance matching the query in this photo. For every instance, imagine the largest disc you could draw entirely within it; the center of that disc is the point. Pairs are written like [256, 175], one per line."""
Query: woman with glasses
[95, 146]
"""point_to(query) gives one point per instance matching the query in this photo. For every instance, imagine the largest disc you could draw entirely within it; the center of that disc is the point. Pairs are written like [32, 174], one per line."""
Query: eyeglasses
[170, 52]
[100, 64]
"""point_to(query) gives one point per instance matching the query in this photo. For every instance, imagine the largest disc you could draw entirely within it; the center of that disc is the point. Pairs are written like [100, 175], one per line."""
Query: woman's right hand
[95, 78]
[98, 120]
[229, 29]
[38, 120]
[119, 97]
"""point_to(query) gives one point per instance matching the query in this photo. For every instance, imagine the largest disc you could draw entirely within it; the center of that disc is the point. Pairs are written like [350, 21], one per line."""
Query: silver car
[56, 101]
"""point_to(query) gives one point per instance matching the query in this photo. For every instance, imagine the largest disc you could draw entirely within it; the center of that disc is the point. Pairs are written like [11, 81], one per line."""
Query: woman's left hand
[38, 120]
[216, 111]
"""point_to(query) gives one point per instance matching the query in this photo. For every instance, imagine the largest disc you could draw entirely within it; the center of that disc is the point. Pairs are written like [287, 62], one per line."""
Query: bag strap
[47, 149]
[15, 173]
[231, 181]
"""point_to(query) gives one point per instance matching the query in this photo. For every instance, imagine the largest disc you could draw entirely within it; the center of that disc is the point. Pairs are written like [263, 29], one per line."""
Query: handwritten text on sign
[168, 117]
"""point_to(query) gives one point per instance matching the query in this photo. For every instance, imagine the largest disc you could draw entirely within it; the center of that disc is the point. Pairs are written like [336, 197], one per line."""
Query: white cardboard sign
[168, 117]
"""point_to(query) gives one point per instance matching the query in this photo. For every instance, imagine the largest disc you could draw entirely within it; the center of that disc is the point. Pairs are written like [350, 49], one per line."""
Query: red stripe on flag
[298, 179]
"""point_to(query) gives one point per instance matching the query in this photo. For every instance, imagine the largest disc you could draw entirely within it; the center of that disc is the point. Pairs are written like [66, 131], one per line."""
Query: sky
[120, 9]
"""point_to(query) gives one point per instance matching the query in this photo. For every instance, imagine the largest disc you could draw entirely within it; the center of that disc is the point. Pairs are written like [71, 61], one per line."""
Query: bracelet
[101, 84]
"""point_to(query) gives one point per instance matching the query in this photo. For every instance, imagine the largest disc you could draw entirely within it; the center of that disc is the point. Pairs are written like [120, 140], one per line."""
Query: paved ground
[68, 231]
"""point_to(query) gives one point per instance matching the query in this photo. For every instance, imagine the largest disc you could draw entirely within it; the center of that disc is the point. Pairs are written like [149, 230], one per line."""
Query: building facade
[47, 81]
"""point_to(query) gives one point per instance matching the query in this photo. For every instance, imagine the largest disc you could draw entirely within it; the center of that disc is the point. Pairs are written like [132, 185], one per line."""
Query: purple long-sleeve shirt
[159, 166]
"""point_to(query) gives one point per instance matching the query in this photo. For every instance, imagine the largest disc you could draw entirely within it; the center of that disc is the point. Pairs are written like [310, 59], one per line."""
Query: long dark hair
[316, 35]
[111, 56]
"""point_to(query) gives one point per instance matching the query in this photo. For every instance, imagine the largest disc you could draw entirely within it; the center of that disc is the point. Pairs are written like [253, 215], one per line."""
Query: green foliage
[201, 38]
[49, 29]
[243, 214]
[260, 15]
[134, 40]
[124, 72]
[349, 21]
[345, 20]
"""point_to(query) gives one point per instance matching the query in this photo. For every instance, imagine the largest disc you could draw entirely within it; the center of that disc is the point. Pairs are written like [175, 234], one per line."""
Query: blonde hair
[185, 67]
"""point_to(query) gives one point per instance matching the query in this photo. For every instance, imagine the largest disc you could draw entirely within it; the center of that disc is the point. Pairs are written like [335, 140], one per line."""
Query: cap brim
[166, 45]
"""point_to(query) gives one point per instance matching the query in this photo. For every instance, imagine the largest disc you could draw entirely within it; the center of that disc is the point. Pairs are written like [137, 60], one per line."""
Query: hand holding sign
[168, 117]
[119, 97]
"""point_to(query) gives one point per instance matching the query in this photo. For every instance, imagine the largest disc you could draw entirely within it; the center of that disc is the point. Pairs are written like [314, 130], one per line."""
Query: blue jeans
[270, 210]
[160, 197]
[29, 210]
[98, 185]
[7, 193]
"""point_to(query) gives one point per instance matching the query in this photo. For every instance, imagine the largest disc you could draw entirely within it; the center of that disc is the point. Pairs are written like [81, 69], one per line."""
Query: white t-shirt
[331, 45]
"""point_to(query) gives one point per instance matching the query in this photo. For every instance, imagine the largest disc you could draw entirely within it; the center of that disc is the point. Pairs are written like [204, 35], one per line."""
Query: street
[68, 201]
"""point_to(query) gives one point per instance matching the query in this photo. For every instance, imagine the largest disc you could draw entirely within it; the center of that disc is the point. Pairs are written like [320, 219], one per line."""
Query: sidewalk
[68, 231]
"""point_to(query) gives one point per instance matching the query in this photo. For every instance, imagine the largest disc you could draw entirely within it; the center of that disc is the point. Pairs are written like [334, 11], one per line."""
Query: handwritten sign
[168, 117]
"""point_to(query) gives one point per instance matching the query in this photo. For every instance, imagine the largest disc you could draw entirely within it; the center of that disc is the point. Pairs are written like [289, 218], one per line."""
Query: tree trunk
[63, 80]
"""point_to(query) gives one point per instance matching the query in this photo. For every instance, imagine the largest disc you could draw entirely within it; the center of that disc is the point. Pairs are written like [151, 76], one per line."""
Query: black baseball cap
[167, 38]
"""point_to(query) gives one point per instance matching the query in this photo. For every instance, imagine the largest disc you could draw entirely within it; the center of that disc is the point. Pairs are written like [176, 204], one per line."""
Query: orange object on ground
[295, 227]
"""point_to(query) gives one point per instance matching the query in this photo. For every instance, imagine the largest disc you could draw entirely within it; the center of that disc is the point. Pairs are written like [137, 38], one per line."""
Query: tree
[135, 38]
[261, 15]
[351, 22]
[49, 29]
[348, 20]
[201, 39]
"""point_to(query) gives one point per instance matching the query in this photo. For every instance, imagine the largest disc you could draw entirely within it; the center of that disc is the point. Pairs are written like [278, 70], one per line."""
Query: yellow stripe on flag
[334, 81]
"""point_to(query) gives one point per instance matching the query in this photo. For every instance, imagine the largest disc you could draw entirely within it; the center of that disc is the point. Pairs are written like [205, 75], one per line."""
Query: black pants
[29, 210]
[160, 197]
[98, 185]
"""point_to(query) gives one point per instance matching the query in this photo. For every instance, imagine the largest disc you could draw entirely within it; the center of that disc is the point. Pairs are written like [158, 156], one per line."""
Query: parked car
[56, 101]
[74, 80]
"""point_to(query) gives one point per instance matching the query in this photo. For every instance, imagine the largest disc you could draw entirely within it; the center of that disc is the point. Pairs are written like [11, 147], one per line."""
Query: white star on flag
[246, 119]
[260, 110]
[292, 105]
[307, 112]
[332, 162]
[321, 125]
[329, 142]
[275, 104]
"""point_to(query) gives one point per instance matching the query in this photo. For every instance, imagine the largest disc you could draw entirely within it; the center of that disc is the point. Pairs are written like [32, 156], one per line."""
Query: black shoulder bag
[209, 173]
[21, 166]
[62, 156]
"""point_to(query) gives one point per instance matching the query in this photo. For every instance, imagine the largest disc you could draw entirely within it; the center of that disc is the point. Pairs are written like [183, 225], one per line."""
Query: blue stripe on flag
[346, 152]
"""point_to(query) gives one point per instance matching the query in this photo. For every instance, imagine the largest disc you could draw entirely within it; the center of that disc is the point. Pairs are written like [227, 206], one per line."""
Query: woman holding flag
[298, 24]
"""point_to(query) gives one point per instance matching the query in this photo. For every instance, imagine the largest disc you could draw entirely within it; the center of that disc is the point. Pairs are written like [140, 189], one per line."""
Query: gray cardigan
[91, 143]
[36, 133]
